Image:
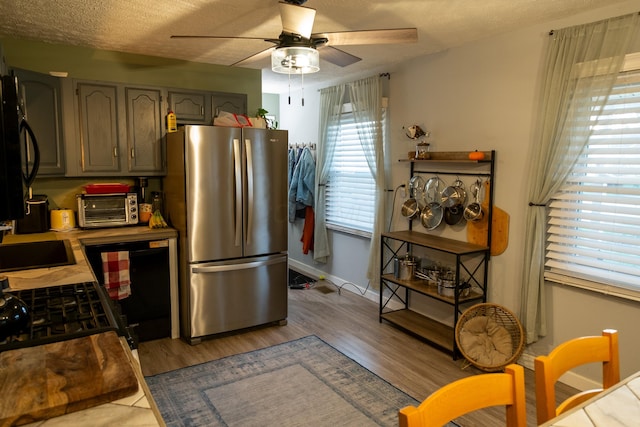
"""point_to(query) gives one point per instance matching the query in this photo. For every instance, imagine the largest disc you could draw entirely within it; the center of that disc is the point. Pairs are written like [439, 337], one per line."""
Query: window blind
[594, 220]
[350, 189]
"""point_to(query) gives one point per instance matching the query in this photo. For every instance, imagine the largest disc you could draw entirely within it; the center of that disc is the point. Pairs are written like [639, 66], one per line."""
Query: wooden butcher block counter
[55, 379]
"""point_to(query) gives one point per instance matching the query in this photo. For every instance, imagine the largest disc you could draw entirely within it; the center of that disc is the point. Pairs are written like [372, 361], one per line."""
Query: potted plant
[271, 123]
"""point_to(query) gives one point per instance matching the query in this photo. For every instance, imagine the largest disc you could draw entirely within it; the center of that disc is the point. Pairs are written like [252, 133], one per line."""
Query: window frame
[575, 279]
[336, 226]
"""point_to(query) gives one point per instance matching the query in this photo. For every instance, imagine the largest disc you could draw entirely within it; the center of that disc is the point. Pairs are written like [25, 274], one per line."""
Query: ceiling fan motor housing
[295, 60]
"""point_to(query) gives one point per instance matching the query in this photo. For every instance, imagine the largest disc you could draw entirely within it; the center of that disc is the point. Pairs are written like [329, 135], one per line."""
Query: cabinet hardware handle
[115, 151]
[133, 153]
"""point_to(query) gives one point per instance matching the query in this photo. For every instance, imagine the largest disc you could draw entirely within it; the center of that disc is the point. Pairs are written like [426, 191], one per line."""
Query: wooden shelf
[456, 247]
[429, 329]
[451, 156]
[423, 287]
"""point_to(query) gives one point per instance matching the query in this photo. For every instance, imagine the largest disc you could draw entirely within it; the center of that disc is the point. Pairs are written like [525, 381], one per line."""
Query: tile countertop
[138, 409]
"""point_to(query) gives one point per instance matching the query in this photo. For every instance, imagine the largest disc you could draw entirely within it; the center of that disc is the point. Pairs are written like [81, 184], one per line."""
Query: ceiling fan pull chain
[302, 81]
[289, 85]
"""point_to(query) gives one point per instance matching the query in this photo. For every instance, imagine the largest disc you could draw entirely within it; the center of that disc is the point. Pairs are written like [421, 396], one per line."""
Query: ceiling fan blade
[255, 57]
[389, 36]
[337, 56]
[297, 19]
[219, 37]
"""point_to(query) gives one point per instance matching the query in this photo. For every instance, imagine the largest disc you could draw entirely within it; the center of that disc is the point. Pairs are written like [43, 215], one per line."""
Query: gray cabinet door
[202, 107]
[144, 130]
[41, 104]
[189, 107]
[99, 128]
[232, 102]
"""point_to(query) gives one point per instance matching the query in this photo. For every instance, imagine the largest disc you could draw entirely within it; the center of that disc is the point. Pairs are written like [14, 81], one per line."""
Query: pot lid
[431, 216]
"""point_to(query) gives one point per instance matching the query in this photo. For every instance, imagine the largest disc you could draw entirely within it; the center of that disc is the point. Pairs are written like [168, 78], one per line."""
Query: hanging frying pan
[454, 214]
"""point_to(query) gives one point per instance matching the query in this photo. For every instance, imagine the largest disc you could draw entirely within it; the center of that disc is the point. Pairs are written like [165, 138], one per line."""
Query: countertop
[80, 271]
[138, 409]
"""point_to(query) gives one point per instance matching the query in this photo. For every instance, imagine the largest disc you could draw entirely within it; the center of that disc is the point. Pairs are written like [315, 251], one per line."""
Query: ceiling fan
[297, 24]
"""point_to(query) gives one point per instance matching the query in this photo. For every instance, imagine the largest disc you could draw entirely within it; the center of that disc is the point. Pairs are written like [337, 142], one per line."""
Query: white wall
[349, 254]
[483, 96]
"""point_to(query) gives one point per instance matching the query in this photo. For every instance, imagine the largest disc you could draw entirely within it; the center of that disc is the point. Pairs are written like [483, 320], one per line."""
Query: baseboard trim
[341, 284]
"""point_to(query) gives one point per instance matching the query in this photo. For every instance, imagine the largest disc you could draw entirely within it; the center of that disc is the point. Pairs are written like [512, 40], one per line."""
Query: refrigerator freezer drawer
[225, 297]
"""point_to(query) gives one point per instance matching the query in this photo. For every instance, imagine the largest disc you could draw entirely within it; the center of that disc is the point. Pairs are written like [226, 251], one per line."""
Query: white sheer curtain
[581, 66]
[331, 100]
[366, 101]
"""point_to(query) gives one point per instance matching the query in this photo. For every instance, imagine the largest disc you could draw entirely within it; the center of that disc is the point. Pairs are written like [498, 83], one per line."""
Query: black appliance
[36, 216]
[12, 175]
[148, 308]
[63, 312]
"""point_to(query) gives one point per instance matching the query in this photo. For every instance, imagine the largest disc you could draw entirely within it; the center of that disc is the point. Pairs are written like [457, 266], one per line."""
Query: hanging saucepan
[411, 207]
[454, 195]
[454, 214]
[473, 211]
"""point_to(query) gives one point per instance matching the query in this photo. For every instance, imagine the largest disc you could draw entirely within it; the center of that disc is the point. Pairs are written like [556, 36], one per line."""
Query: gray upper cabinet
[189, 107]
[144, 130]
[120, 131]
[193, 107]
[100, 147]
[42, 106]
[232, 102]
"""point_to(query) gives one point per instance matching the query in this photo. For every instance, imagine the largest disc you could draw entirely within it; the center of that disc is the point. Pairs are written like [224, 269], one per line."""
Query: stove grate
[63, 312]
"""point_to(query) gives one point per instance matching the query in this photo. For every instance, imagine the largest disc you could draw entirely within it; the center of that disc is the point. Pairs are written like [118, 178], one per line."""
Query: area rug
[304, 382]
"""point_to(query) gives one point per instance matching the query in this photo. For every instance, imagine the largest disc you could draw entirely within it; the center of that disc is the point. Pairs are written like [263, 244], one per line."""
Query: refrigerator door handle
[250, 204]
[237, 160]
[232, 267]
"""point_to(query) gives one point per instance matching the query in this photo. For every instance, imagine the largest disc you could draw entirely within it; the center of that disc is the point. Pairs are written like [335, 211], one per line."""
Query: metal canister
[404, 268]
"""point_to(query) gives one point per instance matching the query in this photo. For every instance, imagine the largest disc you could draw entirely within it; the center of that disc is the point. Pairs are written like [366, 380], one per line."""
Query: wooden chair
[568, 355]
[470, 394]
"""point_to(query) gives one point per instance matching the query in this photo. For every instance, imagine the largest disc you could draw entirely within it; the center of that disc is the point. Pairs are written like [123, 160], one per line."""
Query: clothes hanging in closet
[302, 183]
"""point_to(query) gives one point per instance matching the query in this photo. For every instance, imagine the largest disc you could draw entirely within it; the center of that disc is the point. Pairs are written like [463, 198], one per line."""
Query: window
[594, 220]
[350, 190]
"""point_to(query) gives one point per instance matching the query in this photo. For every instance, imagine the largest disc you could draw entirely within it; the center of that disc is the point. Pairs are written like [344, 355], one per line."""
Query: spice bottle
[172, 122]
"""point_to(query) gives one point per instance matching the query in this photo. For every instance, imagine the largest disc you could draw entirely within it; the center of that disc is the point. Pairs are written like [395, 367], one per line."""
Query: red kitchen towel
[115, 267]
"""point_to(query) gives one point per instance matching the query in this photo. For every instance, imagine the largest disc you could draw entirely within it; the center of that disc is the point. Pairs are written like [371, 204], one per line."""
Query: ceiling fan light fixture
[295, 60]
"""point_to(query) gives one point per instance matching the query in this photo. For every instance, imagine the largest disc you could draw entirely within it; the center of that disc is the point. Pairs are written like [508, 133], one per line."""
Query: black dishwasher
[148, 308]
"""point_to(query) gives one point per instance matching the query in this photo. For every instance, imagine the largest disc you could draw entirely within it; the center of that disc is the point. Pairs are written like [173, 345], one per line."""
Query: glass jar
[422, 151]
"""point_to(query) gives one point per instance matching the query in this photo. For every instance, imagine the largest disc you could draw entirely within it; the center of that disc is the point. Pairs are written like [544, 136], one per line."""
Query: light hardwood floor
[350, 324]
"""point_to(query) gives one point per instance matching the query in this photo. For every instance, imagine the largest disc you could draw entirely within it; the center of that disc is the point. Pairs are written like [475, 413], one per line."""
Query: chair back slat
[471, 394]
[567, 356]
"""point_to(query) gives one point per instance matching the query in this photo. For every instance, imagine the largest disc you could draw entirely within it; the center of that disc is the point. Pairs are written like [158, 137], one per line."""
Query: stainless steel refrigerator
[226, 194]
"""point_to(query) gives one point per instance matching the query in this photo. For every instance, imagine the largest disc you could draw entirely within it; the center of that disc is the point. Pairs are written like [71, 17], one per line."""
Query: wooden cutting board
[477, 231]
[54, 379]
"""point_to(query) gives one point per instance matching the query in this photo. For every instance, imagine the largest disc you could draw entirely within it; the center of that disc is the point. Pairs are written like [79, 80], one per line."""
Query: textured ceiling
[144, 27]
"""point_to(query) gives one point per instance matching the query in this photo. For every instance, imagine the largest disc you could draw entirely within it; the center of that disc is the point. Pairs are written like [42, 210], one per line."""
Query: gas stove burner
[64, 312]
[62, 302]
